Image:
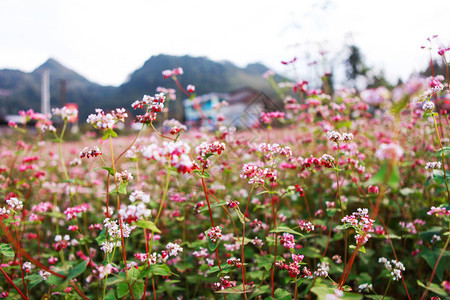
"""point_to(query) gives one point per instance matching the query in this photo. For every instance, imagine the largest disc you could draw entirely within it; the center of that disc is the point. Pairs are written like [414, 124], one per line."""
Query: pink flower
[190, 88]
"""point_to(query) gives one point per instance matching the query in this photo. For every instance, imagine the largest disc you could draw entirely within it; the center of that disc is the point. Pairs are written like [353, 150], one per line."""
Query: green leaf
[433, 288]
[236, 290]
[123, 188]
[158, 270]
[431, 257]
[241, 216]
[282, 229]
[101, 237]
[122, 290]
[108, 133]
[265, 261]
[6, 250]
[282, 294]
[77, 270]
[110, 296]
[444, 150]
[387, 174]
[138, 290]
[361, 249]
[147, 225]
[211, 245]
[133, 274]
[438, 176]
[398, 106]
[34, 280]
[202, 174]
[110, 170]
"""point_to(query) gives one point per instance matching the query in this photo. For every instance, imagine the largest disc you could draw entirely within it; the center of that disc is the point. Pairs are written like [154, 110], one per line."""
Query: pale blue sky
[107, 40]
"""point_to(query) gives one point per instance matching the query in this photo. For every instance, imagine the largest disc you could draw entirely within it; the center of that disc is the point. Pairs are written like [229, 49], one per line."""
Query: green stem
[387, 288]
[443, 159]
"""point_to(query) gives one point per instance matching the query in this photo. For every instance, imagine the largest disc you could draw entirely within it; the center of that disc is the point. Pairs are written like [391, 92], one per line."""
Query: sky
[105, 41]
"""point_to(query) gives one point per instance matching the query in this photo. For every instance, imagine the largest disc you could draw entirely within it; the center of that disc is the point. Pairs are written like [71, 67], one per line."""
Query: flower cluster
[269, 150]
[294, 267]
[266, 118]
[66, 113]
[106, 121]
[173, 72]
[256, 174]
[336, 137]
[306, 225]
[224, 283]
[362, 224]
[175, 126]
[123, 177]
[433, 165]
[176, 152]
[14, 203]
[205, 149]
[389, 151]
[440, 211]
[322, 269]
[287, 240]
[234, 262]
[173, 249]
[134, 212]
[215, 233]
[71, 212]
[394, 266]
[139, 196]
[89, 152]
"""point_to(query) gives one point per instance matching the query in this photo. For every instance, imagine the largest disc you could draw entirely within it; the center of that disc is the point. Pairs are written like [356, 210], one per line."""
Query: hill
[20, 90]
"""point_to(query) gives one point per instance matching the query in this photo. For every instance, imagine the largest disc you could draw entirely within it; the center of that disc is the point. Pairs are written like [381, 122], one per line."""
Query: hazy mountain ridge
[21, 90]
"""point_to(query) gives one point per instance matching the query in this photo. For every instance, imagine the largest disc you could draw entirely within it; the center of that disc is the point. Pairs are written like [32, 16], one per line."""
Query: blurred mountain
[20, 90]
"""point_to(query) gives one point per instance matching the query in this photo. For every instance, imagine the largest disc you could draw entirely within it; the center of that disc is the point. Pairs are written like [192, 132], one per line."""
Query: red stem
[12, 283]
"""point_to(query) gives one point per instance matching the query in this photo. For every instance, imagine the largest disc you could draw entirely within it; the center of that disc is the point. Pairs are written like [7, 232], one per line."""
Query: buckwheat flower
[435, 238]
[90, 152]
[297, 258]
[433, 165]
[268, 74]
[373, 189]
[215, 233]
[322, 269]
[334, 136]
[139, 196]
[66, 113]
[394, 266]
[14, 203]
[438, 212]
[44, 274]
[123, 177]
[190, 88]
[389, 151]
[27, 266]
[234, 262]
[107, 247]
[71, 212]
[428, 106]
[257, 242]
[365, 287]
[3, 211]
[287, 240]
[347, 137]
[103, 271]
[305, 225]
[173, 249]
[337, 259]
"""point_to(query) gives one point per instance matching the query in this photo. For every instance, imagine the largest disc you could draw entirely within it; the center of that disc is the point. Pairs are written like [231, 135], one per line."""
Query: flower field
[342, 195]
